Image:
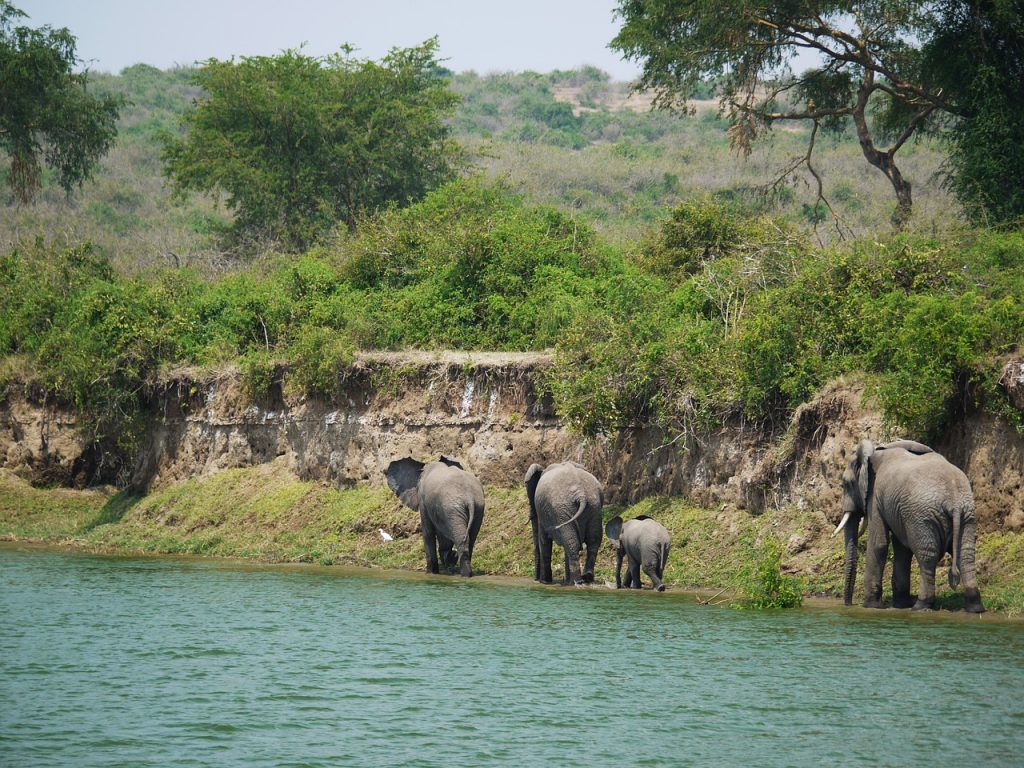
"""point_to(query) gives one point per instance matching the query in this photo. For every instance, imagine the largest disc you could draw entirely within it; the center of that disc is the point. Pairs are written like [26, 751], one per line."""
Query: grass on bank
[264, 513]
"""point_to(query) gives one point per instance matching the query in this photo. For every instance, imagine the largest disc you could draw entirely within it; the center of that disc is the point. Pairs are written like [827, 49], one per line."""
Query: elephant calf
[646, 542]
[451, 506]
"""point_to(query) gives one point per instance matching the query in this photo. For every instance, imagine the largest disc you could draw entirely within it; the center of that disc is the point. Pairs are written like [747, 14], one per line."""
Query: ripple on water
[162, 662]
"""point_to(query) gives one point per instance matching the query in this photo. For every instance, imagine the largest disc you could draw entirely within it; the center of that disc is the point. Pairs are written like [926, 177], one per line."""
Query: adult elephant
[565, 506]
[913, 497]
[646, 543]
[451, 506]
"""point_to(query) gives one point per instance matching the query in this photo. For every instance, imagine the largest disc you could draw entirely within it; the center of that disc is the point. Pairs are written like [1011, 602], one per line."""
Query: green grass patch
[265, 513]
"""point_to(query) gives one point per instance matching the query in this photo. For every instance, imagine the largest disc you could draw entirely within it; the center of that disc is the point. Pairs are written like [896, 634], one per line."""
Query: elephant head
[857, 482]
[451, 506]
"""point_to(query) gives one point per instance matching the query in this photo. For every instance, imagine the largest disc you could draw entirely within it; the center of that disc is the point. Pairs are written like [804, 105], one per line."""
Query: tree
[299, 143]
[870, 74]
[977, 56]
[46, 112]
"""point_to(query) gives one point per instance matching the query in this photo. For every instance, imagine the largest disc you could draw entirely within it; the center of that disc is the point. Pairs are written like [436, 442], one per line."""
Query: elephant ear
[403, 476]
[450, 462]
[613, 528]
[532, 478]
[912, 446]
[865, 473]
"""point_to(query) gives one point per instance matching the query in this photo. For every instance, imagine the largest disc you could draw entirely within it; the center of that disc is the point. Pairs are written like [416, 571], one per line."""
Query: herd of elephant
[904, 494]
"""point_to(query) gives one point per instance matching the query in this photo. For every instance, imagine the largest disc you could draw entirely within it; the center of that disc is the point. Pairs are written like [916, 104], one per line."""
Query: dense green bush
[757, 323]
[720, 314]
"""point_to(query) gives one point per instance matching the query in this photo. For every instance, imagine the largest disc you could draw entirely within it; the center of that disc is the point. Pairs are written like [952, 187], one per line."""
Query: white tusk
[863, 527]
[843, 522]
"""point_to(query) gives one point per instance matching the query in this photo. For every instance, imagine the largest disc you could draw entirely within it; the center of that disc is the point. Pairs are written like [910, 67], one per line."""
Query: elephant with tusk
[911, 497]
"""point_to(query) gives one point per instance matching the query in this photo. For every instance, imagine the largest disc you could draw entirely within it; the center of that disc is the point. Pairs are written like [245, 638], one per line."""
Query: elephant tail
[954, 566]
[662, 557]
[579, 511]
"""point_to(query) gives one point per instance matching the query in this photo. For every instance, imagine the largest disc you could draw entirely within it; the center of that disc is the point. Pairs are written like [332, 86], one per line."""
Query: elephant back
[568, 480]
[923, 475]
[443, 483]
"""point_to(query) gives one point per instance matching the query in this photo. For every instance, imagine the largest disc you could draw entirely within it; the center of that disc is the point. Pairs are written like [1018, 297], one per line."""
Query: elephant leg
[651, 569]
[901, 559]
[619, 555]
[627, 583]
[446, 554]
[877, 552]
[968, 572]
[926, 592]
[572, 565]
[634, 574]
[429, 542]
[591, 561]
[544, 564]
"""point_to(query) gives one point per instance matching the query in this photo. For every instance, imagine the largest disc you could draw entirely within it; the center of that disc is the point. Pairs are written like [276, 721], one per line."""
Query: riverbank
[263, 513]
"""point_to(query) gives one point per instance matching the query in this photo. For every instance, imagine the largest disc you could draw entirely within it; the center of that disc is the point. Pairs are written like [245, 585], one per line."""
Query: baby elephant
[646, 542]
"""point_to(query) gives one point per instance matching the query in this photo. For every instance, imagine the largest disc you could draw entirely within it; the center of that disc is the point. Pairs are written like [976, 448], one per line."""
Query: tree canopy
[977, 56]
[299, 143]
[872, 71]
[46, 113]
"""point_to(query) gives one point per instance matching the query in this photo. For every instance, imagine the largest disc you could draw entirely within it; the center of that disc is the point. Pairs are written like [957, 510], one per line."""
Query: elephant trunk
[850, 578]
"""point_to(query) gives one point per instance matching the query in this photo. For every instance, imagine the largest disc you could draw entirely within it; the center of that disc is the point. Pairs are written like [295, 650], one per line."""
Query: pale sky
[481, 35]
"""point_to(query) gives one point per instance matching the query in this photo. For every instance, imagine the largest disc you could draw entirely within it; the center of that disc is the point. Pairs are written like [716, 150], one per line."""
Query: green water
[113, 661]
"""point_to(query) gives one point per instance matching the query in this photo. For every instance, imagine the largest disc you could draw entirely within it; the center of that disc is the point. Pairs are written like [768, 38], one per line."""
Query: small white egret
[384, 534]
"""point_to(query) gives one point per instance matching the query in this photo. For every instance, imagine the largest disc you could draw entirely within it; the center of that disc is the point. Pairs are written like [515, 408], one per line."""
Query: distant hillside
[573, 139]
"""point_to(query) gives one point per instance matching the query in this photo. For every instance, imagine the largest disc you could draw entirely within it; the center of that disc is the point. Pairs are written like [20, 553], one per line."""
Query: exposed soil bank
[485, 409]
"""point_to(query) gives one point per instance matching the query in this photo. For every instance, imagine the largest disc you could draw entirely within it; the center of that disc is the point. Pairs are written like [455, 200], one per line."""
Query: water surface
[117, 661]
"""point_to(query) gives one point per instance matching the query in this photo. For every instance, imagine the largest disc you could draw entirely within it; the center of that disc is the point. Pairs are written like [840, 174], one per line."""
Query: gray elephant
[646, 542]
[565, 506]
[451, 506]
[913, 497]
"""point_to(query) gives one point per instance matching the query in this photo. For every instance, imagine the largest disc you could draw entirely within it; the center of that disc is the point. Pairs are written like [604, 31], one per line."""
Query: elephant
[910, 495]
[565, 506]
[646, 542]
[451, 506]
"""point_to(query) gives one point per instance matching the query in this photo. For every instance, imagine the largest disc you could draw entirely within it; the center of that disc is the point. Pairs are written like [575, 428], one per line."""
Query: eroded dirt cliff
[486, 410]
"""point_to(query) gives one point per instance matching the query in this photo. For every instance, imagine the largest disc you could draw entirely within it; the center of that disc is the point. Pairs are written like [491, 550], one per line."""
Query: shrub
[761, 582]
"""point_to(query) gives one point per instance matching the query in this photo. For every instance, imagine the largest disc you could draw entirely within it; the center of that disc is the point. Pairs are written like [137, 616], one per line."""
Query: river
[127, 661]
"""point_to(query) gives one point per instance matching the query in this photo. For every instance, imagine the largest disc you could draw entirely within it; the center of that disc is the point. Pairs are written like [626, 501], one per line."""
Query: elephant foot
[588, 577]
[924, 605]
[902, 602]
[873, 603]
[973, 600]
[660, 587]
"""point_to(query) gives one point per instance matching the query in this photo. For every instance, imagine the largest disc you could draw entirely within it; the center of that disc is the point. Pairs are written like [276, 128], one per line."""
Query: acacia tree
[299, 143]
[870, 73]
[46, 113]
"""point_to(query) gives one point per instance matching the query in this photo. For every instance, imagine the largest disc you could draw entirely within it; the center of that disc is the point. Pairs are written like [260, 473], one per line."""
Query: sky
[481, 35]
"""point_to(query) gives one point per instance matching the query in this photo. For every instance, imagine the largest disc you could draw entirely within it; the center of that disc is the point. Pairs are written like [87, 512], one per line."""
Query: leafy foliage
[756, 331]
[761, 581]
[871, 68]
[47, 114]
[299, 143]
[978, 57]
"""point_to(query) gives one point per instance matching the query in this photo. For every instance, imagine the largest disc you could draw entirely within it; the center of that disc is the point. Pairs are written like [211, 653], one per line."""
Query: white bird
[385, 535]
